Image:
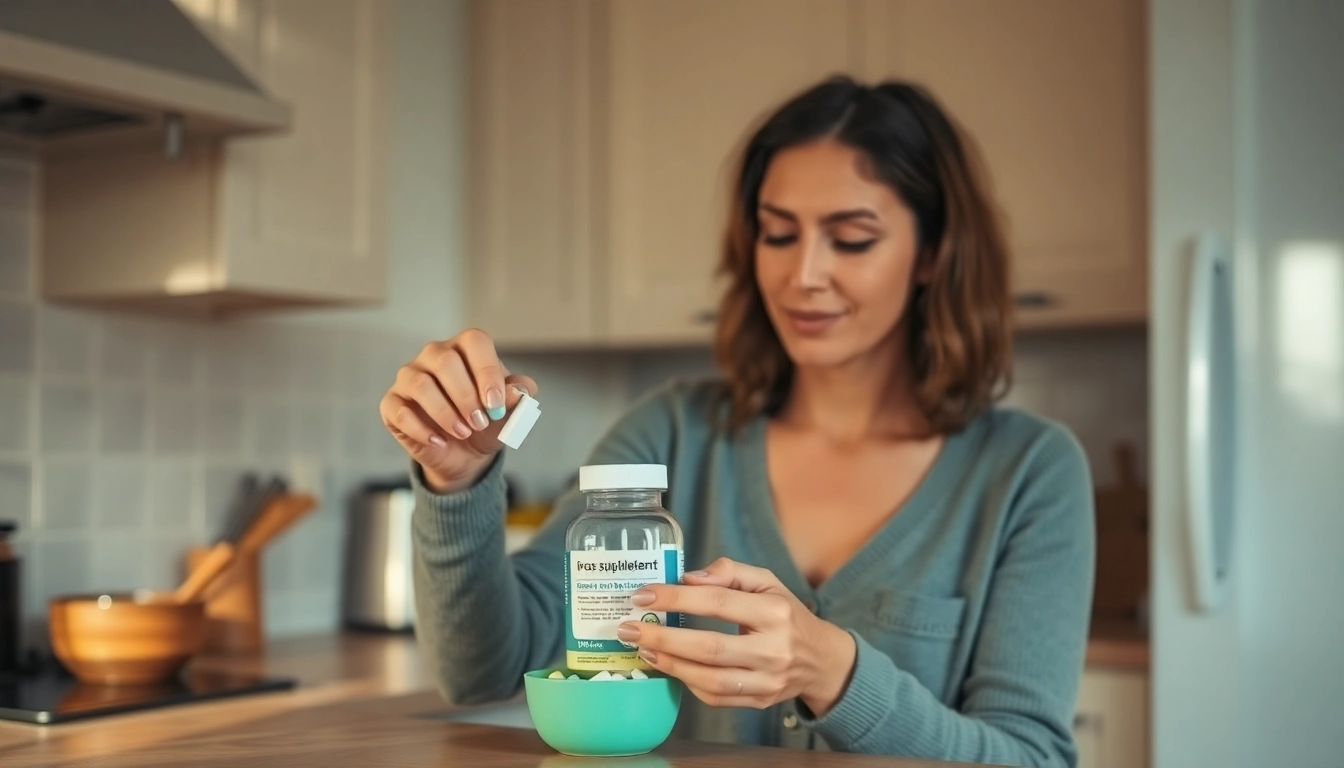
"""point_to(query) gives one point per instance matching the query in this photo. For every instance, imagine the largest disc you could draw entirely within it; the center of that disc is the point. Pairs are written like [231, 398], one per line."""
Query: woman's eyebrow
[830, 218]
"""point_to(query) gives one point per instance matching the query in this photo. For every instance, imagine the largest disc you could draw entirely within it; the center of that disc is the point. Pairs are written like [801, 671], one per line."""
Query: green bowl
[602, 719]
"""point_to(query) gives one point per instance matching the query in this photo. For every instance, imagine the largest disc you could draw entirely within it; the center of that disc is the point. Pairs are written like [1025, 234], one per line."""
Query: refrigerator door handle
[1210, 420]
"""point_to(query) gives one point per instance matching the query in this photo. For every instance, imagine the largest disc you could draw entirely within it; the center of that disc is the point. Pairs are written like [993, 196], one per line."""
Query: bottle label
[598, 585]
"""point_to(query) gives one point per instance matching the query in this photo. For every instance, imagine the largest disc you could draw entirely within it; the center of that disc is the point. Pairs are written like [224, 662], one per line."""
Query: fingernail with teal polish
[494, 403]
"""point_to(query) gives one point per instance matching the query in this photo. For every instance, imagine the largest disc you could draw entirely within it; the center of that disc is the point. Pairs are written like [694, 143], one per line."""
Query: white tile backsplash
[225, 365]
[119, 495]
[175, 356]
[164, 564]
[222, 425]
[122, 422]
[66, 423]
[171, 489]
[16, 336]
[123, 354]
[268, 368]
[120, 561]
[15, 244]
[173, 422]
[269, 425]
[65, 341]
[62, 566]
[16, 407]
[16, 492]
[313, 427]
[67, 495]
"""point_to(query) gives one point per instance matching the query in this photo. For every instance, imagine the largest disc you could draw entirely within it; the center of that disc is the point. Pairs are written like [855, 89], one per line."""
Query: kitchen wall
[121, 437]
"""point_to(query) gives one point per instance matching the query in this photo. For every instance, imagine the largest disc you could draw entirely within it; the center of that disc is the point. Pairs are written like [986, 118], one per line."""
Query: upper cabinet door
[530, 268]
[685, 81]
[303, 212]
[1053, 92]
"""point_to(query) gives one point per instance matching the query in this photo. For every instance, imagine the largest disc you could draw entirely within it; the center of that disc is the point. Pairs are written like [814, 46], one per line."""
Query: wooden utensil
[251, 505]
[279, 514]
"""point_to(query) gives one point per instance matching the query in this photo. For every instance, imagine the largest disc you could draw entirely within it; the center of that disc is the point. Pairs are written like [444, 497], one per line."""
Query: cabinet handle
[705, 317]
[1034, 300]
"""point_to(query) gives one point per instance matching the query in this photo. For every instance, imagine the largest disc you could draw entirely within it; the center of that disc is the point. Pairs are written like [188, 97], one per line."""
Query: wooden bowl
[125, 639]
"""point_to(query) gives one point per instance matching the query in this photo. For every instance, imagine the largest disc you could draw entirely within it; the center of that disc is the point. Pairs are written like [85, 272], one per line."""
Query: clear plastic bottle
[621, 542]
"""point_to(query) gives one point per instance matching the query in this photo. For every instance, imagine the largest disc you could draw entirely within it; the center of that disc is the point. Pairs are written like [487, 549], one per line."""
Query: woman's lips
[811, 322]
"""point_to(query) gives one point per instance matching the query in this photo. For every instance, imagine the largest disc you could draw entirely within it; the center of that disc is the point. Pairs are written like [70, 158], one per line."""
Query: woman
[895, 566]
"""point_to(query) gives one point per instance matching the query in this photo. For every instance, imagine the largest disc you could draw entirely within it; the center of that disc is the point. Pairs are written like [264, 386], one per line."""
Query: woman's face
[835, 257]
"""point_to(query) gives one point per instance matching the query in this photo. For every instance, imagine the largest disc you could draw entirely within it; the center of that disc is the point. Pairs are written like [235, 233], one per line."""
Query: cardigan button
[791, 721]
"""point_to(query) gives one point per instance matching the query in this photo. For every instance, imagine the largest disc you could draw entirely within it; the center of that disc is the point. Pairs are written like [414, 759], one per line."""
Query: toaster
[378, 591]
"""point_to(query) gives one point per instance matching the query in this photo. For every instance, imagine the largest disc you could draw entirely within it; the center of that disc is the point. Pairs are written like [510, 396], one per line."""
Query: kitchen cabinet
[603, 134]
[294, 219]
[1111, 723]
[532, 264]
[685, 81]
[601, 139]
[1053, 92]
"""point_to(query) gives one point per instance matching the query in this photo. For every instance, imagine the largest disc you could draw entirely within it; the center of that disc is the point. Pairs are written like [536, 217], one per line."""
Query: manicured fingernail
[629, 632]
[519, 391]
[462, 430]
[494, 403]
[479, 420]
[698, 574]
[437, 441]
[648, 656]
[642, 597]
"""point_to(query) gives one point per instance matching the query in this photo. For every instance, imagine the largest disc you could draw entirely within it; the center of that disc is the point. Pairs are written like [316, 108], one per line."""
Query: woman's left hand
[783, 651]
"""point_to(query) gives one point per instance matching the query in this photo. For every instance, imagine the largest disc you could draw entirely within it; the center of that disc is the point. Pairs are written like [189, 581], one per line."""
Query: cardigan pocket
[920, 634]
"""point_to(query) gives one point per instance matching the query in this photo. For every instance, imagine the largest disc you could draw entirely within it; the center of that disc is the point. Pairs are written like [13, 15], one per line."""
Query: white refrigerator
[1247, 382]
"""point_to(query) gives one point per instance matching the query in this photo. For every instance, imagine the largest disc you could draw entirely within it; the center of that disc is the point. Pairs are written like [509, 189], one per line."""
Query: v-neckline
[926, 499]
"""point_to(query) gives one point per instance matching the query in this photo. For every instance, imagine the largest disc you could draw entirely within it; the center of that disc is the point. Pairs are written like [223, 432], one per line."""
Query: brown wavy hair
[959, 324]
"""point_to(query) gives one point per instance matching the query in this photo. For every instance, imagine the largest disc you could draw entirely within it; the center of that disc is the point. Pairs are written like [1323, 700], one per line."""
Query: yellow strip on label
[596, 662]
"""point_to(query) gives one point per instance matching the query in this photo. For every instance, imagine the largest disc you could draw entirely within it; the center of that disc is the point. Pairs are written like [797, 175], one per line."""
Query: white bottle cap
[616, 477]
[519, 423]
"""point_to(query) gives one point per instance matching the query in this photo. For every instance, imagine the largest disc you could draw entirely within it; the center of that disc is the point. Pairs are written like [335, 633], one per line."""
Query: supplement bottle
[621, 542]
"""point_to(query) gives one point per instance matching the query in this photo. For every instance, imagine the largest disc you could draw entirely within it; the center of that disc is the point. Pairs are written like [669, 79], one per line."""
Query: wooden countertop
[363, 700]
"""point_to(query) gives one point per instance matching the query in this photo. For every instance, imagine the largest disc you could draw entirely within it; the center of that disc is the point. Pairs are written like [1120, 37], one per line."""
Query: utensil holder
[233, 608]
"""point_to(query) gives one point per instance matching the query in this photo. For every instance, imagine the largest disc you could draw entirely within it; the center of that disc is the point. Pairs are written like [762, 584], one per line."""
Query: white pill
[638, 674]
[556, 675]
[603, 675]
[617, 676]
[574, 677]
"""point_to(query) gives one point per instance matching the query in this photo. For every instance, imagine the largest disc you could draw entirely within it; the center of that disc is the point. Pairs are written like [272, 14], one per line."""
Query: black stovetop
[47, 694]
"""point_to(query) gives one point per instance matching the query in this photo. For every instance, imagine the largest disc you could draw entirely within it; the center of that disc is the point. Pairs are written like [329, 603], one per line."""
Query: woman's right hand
[447, 405]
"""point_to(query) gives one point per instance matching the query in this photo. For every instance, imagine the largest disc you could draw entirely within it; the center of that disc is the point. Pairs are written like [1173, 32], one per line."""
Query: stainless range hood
[76, 68]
